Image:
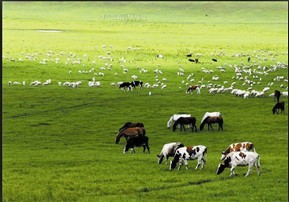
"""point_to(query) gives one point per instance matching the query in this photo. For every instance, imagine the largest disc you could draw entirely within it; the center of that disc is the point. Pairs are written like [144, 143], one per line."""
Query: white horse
[210, 114]
[175, 117]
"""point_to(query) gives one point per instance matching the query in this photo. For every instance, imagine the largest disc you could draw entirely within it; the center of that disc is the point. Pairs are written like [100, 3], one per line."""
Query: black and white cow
[126, 85]
[137, 83]
[241, 158]
[184, 154]
[168, 150]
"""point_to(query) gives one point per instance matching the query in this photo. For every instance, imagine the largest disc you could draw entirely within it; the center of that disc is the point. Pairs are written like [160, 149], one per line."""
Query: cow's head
[223, 165]
[220, 168]
[174, 162]
[160, 157]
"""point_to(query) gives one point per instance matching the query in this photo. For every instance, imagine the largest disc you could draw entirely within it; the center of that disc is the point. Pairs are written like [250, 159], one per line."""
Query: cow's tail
[205, 155]
[258, 162]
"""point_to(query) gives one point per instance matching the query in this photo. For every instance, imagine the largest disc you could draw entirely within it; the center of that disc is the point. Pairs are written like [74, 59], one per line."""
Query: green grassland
[58, 142]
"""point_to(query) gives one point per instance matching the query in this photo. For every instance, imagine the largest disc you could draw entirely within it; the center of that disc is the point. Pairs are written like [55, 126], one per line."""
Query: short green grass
[58, 142]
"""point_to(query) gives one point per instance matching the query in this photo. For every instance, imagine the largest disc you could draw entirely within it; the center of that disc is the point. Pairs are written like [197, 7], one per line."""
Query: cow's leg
[257, 168]
[186, 164]
[180, 163]
[199, 162]
[184, 127]
[232, 170]
[249, 169]
[167, 159]
[125, 149]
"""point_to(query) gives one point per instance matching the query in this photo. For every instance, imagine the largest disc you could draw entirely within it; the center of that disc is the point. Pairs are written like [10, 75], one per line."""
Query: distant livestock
[184, 154]
[131, 125]
[137, 83]
[214, 60]
[212, 120]
[129, 132]
[241, 158]
[175, 117]
[192, 88]
[168, 150]
[277, 95]
[191, 121]
[191, 60]
[279, 106]
[240, 146]
[189, 55]
[139, 141]
[126, 85]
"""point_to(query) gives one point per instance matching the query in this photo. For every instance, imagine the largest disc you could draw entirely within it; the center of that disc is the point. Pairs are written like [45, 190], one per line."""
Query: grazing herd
[186, 119]
[236, 154]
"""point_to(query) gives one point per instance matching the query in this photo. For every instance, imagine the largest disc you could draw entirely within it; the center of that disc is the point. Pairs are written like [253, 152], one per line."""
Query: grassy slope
[61, 140]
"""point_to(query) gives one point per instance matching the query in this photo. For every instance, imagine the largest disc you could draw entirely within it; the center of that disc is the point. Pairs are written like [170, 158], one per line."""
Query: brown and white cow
[184, 154]
[240, 146]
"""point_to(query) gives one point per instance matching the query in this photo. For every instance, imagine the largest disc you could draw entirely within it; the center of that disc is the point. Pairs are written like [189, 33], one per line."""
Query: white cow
[168, 150]
[241, 158]
[176, 117]
[184, 154]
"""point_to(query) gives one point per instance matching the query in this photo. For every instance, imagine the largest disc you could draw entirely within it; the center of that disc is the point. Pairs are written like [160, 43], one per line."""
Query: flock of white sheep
[247, 76]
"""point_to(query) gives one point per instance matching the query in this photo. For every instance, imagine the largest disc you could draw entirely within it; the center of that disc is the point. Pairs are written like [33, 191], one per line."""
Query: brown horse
[129, 132]
[211, 120]
[131, 125]
[185, 121]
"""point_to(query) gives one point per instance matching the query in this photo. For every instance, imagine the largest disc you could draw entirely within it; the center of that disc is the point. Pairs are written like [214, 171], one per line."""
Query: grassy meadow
[58, 142]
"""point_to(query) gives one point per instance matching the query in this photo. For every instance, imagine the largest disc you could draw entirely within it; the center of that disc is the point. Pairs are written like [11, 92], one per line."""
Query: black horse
[185, 121]
[277, 107]
[211, 120]
[277, 95]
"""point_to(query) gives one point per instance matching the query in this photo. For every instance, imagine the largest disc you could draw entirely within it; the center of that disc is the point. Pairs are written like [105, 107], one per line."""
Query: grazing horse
[277, 95]
[192, 88]
[175, 117]
[279, 106]
[138, 141]
[185, 121]
[211, 120]
[129, 132]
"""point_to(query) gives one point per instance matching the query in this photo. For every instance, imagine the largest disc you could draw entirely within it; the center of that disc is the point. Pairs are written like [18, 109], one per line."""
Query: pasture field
[58, 142]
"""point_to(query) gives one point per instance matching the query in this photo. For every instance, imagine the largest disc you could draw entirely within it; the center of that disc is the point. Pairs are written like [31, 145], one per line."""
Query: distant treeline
[124, 17]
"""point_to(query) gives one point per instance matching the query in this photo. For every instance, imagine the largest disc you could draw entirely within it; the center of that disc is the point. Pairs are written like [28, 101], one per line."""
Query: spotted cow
[240, 146]
[184, 154]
